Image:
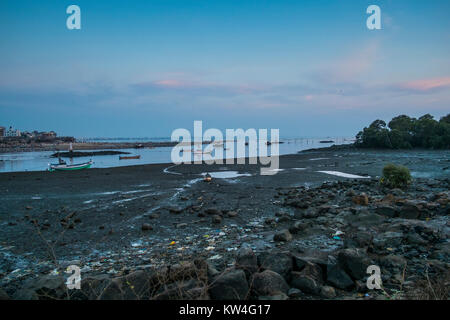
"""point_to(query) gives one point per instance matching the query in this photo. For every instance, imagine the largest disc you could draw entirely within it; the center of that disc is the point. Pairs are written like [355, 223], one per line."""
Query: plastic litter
[338, 233]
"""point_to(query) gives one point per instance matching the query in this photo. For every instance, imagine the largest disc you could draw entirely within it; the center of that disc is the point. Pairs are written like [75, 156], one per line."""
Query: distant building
[46, 136]
[2, 131]
[12, 132]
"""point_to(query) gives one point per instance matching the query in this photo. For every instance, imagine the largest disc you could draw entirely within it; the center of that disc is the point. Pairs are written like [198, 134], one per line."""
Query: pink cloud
[171, 83]
[427, 84]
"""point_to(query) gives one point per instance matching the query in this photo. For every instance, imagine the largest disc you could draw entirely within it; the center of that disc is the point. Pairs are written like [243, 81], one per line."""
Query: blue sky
[145, 68]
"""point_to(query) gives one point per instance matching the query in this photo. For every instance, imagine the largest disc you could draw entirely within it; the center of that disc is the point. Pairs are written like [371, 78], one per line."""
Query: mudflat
[115, 221]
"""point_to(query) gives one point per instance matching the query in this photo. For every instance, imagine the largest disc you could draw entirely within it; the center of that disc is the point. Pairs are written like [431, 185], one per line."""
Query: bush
[395, 176]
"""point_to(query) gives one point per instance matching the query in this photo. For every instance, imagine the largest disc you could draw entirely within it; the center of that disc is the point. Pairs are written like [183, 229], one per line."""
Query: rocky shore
[300, 234]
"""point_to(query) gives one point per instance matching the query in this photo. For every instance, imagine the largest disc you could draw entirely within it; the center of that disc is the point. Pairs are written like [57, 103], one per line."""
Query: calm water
[38, 161]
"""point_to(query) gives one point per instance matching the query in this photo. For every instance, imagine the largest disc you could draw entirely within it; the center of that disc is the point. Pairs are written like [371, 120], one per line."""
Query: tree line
[404, 132]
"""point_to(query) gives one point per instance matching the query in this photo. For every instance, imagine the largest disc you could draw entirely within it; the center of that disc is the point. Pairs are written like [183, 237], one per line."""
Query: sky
[310, 68]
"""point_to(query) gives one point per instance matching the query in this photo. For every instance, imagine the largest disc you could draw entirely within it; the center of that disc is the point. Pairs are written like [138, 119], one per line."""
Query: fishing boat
[129, 157]
[63, 166]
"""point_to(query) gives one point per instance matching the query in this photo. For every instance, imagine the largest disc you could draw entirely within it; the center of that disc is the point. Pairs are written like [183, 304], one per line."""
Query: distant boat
[129, 157]
[62, 166]
[326, 141]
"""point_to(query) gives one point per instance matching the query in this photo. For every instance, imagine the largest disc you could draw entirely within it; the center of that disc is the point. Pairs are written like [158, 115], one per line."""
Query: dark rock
[278, 296]
[213, 211]
[415, 239]
[247, 260]
[361, 200]
[175, 210]
[309, 280]
[355, 262]
[232, 214]
[283, 235]
[317, 257]
[267, 283]
[395, 262]
[217, 219]
[409, 211]
[361, 286]
[298, 226]
[305, 283]
[339, 278]
[387, 211]
[45, 287]
[280, 263]
[231, 285]
[360, 239]
[387, 239]
[328, 292]
[146, 227]
[3, 295]
[294, 293]
[310, 213]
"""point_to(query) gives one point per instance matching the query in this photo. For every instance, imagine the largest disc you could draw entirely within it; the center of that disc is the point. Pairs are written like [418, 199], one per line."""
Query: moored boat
[70, 167]
[129, 157]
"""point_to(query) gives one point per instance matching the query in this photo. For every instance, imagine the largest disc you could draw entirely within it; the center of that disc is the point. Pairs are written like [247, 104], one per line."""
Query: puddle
[345, 175]
[227, 174]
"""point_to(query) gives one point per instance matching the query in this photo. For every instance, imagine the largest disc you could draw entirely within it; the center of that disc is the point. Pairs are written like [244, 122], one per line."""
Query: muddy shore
[319, 230]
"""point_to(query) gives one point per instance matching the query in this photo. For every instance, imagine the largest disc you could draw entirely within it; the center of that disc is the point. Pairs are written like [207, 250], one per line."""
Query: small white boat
[69, 167]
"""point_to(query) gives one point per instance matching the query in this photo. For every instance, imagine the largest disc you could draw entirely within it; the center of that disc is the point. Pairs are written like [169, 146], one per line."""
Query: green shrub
[395, 176]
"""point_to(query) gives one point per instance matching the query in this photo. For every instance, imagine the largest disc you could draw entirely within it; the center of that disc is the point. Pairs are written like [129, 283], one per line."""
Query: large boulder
[410, 211]
[338, 278]
[309, 280]
[317, 257]
[268, 283]
[280, 263]
[354, 261]
[230, 285]
[247, 260]
[48, 287]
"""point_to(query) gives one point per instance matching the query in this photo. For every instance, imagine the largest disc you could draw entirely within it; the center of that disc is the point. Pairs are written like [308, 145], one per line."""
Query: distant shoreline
[84, 146]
